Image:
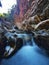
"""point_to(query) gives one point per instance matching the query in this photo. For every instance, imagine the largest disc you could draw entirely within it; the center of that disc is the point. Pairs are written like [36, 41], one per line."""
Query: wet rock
[41, 35]
[42, 41]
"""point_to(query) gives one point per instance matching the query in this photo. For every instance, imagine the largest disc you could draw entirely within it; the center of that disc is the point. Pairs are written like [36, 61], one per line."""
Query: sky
[6, 5]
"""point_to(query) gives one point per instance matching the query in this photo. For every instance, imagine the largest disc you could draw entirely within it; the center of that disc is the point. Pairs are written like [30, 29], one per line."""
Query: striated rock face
[39, 14]
[31, 11]
[21, 9]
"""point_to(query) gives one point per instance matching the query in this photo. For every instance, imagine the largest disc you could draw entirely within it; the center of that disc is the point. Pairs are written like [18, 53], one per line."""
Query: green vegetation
[10, 15]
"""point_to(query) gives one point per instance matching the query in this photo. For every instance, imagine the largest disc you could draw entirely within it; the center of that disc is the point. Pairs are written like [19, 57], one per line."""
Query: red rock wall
[21, 9]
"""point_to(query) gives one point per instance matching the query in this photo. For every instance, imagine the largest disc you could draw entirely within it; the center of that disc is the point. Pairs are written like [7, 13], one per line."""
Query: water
[28, 55]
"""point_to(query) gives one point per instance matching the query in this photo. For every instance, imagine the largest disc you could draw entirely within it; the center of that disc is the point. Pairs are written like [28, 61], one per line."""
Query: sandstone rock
[42, 25]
